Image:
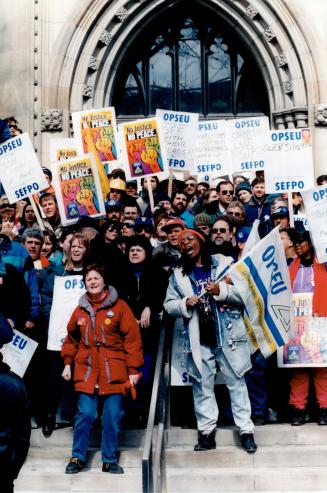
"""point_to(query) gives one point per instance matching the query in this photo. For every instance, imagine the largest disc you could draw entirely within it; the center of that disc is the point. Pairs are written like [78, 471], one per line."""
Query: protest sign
[103, 130]
[315, 203]
[288, 161]
[213, 149]
[179, 134]
[78, 189]
[62, 149]
[18, 353]
[262, 280]
[247, 137]
[179, 374]
[20, 171]
[308, 347]
[142, 148]
[66, 294]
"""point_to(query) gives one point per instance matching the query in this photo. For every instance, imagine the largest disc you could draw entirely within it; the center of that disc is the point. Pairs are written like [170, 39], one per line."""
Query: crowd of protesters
[136, 262]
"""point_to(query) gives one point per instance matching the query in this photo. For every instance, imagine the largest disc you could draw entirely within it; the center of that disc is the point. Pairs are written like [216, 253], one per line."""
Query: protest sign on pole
[142, 148]
[62, 149]
[102, 127]
[18, 353]
[66, 294]
[315, 203]
[308, 346]
[288, 161]
[247, 137]
[78, 189]
[213, 156]
[179, 134]
[20, 172]
[262, 280]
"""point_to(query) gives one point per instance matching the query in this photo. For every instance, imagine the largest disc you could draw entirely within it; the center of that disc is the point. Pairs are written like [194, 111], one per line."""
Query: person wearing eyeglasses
[127, 228]
[225, 190]
[193, 200]
[13, 126]
[237, 213]
[203, 299]
[222, 237]
[144, 227]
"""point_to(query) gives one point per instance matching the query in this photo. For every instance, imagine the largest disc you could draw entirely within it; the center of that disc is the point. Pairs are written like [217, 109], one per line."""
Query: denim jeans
[84, 420]
[205, 404]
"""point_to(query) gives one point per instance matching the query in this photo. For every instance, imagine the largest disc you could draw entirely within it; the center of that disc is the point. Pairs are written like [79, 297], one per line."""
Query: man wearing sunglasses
[225, 190]
[222, 236]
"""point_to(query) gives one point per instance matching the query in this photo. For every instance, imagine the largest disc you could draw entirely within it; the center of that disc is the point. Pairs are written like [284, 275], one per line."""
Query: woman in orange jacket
[105, 345]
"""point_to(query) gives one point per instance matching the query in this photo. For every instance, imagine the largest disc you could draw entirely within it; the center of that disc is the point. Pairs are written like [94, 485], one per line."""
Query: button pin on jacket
[110, 314]
[107, 321]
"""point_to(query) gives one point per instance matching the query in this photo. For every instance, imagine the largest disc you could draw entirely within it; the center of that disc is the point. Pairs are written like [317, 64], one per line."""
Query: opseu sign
[288, 160]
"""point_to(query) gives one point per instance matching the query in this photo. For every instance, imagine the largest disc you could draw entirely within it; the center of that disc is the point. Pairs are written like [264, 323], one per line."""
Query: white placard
[179, 374]
[18, 353]
[247, 139]
[66, 294]
[213, 158]
[315, 203]
[62, 149]
[288, 161]
[179, 133]
[20, 171]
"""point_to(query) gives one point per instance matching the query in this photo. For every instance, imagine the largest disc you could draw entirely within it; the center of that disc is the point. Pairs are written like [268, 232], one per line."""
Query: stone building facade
[64, 56]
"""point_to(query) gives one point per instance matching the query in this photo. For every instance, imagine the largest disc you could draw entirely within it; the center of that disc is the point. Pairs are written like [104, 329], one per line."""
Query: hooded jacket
[105, 345]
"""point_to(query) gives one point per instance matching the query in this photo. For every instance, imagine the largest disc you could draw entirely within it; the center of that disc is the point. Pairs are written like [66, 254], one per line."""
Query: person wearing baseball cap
[167, 254]
[280, 217]
[207, 306]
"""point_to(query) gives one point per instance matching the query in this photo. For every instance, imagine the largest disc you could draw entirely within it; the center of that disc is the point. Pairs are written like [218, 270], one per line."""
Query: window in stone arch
[188, 59]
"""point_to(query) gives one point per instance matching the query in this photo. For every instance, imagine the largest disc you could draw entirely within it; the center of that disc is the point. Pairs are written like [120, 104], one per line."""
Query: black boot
[205, 442]
[49, 426]
[298, 418]
[322, 420]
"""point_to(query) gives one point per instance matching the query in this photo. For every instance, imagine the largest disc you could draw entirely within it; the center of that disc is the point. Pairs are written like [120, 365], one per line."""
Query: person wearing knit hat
[207, 308]
[203, 223]
[243, 192]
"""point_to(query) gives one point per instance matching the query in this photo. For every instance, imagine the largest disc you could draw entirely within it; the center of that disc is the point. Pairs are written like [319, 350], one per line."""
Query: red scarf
[319, 302]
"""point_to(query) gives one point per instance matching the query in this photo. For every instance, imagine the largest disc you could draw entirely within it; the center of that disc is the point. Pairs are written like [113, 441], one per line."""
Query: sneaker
[322, 420]
[298, 418]
[247, 442]
[112, 467]
[74, 466]
[258, 419]
[205, 442]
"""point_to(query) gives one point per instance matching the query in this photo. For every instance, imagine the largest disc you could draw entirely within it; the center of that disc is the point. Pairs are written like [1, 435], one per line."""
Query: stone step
[266, 456]
[276, 434]
[279, 479]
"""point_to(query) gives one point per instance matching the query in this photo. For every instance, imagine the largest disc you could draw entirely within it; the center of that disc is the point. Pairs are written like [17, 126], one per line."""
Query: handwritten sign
[20, 171]
[179, 133]
[213, 158]
[247, 138]
[66, 294]
[142, 148]
[315, 202]
[18, 353]
[288, 161]
[78, 189]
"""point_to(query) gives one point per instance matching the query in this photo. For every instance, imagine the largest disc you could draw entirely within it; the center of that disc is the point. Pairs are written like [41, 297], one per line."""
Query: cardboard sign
[66, 294]
[309, 346]
[18, 353]
[103, 131]
[288, 161]
[20, 172]
[142, 148]
[315, 202]
[78, 189]
[247, 138]
[179, 134]
[213, 158]
[62, 149]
